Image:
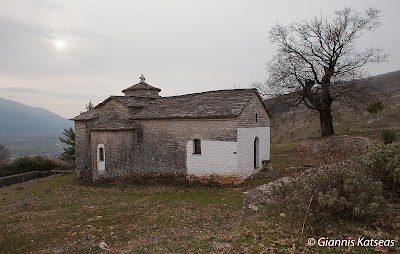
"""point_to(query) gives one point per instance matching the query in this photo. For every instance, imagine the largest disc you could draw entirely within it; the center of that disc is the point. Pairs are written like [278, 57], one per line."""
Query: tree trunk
[325, 118]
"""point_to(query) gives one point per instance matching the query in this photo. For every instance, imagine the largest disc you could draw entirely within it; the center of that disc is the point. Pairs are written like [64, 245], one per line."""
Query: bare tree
[4, 154]
[318, 60]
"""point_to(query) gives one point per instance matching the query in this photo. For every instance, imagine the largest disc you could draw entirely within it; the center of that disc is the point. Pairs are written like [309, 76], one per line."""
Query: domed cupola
[142, 89]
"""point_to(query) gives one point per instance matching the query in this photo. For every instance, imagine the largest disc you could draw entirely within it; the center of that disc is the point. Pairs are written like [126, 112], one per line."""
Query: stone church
[221, 136]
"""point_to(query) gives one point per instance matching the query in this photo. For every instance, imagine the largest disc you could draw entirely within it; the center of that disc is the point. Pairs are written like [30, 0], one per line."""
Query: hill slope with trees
[297, 123]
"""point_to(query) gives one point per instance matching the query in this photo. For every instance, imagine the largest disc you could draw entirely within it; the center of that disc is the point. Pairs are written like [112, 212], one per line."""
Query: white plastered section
[245, 139]
[216, 158]
[224, 158]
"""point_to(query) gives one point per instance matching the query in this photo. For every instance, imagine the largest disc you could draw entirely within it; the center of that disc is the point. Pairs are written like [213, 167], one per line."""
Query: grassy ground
[286, 155]
[57, 215]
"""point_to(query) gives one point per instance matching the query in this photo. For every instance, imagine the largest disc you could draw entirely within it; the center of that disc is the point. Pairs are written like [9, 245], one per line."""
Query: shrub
[27, 164]
[337, 194]
[384, 163]
[388, 136]
[4, 154]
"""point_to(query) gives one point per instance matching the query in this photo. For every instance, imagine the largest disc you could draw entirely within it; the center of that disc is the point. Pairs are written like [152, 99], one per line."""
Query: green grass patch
[285, 155]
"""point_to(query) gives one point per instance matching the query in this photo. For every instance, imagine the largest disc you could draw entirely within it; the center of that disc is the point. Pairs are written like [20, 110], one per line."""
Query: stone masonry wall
[114, 107]
[119, 151]
[163, 137]
[164, 141]
[83, 153]
[143, 93]
[156, 147]
[82, 150]
[247, 118]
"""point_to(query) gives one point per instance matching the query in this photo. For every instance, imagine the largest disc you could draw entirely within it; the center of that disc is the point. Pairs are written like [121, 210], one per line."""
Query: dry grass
[286, 155]
[304, 124]
[56, 215]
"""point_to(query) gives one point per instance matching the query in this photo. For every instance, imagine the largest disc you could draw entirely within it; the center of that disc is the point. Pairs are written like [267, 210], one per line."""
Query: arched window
[101, 154]
[256, 117]
[101, 159]
[196, 146]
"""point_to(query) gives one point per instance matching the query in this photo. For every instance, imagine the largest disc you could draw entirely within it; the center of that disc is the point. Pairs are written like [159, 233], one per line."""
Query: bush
[4, 154]
[27, 164]
[337, 194]
[384, 163]
[388, 136]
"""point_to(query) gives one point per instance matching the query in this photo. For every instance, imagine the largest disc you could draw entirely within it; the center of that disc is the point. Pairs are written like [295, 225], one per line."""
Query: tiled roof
[129, 101]
[132, 101]
[212, 104]
[88, 115]
[141, 86]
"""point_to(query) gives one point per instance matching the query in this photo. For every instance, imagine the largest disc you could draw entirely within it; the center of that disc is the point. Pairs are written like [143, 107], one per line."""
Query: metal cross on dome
[142, 79]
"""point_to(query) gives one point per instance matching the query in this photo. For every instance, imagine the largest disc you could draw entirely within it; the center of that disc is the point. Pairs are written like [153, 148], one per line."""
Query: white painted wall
[216, 158]
[245, 140]
[229, 158]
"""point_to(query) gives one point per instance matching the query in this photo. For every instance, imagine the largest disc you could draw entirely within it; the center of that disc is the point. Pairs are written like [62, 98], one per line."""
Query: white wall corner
[245, 139]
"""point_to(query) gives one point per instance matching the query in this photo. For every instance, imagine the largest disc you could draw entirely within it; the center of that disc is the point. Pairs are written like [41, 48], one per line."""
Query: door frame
[256, 152]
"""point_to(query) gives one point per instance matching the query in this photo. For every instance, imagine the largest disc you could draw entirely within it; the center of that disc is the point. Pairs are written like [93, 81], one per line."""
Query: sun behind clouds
[60, 44]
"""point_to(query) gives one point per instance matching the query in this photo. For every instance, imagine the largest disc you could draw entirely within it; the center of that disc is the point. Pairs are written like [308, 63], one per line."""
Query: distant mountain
[26, 130]
[389, 83]
[18, 117]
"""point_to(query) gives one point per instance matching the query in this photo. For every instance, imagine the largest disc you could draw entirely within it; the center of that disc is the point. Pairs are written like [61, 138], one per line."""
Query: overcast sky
[60, 54]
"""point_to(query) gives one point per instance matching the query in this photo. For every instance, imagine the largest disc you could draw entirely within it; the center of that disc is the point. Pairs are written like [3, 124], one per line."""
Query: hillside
[297, 123]
[27, 130]
[18, 117]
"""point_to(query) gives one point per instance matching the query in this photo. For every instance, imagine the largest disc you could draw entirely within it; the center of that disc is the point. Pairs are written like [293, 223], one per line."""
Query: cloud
[48, 5]
[34, 91]
[14, 29]
[22, 90]
[28, 49]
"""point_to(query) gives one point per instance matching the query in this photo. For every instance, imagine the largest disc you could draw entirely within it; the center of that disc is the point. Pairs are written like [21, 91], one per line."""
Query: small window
[197, 146]
[101, 154]
[256, 118]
